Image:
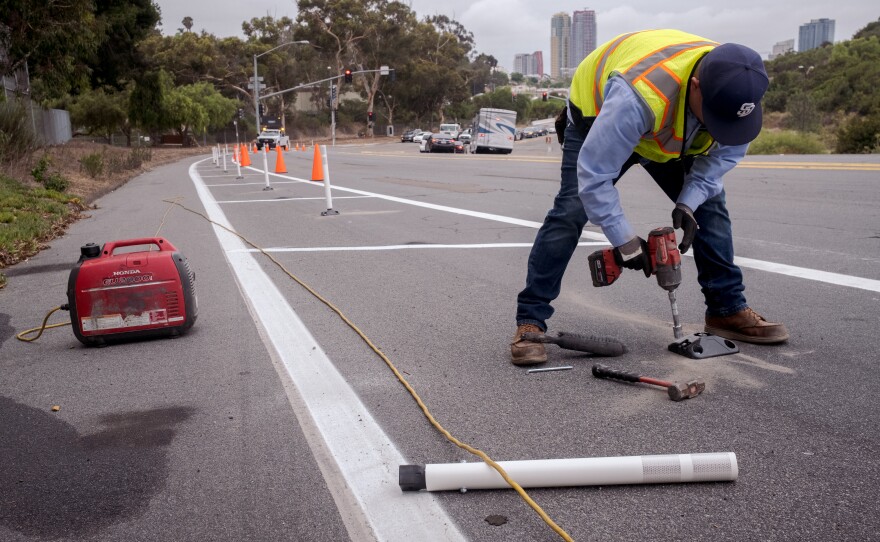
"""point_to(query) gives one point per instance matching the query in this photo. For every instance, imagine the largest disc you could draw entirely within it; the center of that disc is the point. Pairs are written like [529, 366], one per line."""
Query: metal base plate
[703, 345]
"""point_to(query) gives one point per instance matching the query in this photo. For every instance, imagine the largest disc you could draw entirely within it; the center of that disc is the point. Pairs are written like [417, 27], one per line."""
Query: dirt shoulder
[65, 159]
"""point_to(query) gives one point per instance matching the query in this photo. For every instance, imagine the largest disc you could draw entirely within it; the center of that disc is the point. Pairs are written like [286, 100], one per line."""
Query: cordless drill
[665, 262]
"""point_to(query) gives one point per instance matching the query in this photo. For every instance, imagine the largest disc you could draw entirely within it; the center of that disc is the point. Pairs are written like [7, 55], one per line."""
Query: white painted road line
[838, 279]
[810, 274]
[364, 456]
[407, 247]
[277, 200]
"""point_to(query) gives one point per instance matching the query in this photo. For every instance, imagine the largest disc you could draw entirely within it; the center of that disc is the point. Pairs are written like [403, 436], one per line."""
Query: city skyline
[757, 24]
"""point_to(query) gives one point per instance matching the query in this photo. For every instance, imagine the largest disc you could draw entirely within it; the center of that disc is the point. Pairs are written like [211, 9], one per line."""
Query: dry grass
[65, 160]
[39, 218]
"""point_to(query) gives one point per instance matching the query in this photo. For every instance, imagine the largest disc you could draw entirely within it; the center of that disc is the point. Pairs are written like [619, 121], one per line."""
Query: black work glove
[683, 218]
[560, 124]
[634, 255]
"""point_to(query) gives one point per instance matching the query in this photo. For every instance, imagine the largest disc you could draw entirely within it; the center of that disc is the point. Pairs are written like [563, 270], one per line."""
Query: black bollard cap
[412, 477]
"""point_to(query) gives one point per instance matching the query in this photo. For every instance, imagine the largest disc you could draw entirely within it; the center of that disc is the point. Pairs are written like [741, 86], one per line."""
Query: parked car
[465, 136]
[443, 142]
[408, 135]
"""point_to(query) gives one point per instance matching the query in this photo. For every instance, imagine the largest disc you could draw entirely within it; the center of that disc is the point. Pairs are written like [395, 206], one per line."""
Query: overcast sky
[504, 28]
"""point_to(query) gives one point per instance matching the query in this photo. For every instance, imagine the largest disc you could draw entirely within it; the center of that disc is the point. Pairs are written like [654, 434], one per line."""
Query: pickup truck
[273, 138]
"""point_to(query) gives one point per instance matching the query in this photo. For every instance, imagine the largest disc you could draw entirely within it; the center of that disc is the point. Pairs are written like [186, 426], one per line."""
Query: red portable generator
[131, 295]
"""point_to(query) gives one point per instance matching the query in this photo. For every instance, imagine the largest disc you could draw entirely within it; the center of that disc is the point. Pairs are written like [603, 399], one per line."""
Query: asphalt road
[274, 420]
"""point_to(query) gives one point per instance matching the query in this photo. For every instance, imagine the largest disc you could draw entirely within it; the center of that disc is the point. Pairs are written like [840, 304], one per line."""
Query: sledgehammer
[677, 391]
[601, 346]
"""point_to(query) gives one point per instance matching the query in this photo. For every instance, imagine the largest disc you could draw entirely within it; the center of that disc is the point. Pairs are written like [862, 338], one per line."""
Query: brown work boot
[527, 352]
[747, 326]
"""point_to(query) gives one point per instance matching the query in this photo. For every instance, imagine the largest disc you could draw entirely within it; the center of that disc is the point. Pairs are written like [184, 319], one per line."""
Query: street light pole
[257, 81]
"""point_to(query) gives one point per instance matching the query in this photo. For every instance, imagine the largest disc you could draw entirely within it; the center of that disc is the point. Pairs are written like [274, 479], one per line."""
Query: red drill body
[665, 260]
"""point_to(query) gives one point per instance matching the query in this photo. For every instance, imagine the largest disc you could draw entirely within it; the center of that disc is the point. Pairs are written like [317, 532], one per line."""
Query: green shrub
[56, 182]
[138, 156]
[859, 136]
[787, 142]
[16, 136]
[41, 170]
[93, 164]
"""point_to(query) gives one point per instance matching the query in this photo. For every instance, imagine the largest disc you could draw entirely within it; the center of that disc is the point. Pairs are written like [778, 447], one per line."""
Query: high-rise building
[560, 43]
[530, 65]
[583, 36]
[815, 33]
[538, 57]
[521, 63]
[780, 48]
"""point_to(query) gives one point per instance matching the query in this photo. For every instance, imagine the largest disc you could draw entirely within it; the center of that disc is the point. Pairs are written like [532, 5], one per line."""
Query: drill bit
[676, 323]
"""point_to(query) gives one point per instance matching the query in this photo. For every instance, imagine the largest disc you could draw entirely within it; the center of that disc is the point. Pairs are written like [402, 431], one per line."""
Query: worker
[684, 108]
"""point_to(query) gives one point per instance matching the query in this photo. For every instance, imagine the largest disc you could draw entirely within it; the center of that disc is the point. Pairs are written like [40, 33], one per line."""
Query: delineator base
[703, 345]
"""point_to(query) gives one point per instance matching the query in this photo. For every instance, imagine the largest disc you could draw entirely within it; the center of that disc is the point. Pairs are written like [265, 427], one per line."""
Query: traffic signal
[544, 96]
[240, 113]
[348, 76]
[262, 109]
[370, 116]
[393, 75]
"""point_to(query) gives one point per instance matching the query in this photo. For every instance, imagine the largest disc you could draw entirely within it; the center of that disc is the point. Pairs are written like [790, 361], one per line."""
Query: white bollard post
[224, 163]
[214, 156]
[238, 164]
[266, 168]
[327, 196]
[594, 471]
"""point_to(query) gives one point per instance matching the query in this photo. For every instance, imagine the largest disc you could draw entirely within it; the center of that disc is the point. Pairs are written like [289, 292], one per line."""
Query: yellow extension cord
[22, 336]
[464, 446]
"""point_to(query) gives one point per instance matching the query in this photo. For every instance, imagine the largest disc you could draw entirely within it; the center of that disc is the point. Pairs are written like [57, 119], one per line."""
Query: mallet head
[680, 392]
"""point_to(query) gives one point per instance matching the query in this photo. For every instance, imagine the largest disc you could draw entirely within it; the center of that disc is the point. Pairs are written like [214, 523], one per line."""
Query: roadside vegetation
[826, 95]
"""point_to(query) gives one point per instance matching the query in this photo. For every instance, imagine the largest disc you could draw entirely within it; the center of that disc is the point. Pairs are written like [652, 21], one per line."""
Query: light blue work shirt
[621, 123]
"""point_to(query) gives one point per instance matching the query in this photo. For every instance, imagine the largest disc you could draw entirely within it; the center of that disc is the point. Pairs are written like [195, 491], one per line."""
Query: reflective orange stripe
[600, 67]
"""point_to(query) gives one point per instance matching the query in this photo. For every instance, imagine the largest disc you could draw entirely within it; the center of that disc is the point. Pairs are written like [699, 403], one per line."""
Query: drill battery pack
[118, 295]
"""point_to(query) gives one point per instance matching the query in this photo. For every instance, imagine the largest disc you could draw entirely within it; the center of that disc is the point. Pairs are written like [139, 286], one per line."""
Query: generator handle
[163, 244]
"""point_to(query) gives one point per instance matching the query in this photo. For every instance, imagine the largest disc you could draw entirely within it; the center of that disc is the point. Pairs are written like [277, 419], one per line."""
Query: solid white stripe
[780, 269]
[276, 200]
[364, 455]
[810, 274]
[407, 247]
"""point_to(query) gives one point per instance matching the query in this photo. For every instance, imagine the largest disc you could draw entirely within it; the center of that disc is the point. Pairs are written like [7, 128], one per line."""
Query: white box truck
[493, 131]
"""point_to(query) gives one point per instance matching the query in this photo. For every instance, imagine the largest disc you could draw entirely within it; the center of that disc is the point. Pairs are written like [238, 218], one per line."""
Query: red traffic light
[348, 76]
[544, 96]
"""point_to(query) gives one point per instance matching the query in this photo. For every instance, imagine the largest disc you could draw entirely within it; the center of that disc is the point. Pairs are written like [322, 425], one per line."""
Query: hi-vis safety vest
[658, 65]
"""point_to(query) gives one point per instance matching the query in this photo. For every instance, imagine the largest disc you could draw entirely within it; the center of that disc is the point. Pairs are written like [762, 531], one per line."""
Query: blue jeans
[558, 237]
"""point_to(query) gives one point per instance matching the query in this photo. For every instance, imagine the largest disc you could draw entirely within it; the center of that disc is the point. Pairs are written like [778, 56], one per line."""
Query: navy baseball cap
[732, 81]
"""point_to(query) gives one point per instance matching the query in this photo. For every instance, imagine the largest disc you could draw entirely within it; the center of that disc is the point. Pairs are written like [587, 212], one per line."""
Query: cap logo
[745, 110]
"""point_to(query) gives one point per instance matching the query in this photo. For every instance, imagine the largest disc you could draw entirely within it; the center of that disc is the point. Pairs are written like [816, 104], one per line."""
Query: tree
[147, 107]
[54, 40]
[121, 24]
[187, 23]
[102, 113]
[195, 108]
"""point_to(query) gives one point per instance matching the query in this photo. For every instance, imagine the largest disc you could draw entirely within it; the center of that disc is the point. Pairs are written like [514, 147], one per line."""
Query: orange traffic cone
[254, 148]
[245, 157]
[279, 162]
[318, 166]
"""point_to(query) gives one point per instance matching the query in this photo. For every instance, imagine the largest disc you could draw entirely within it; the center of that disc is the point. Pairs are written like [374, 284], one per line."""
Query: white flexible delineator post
[327, 196]
[266, 167]
[595, 471]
